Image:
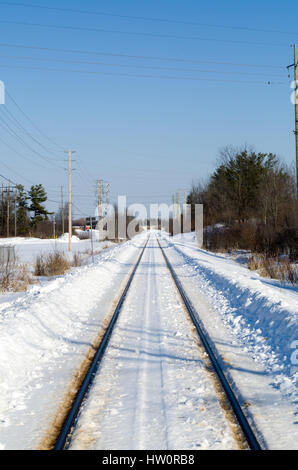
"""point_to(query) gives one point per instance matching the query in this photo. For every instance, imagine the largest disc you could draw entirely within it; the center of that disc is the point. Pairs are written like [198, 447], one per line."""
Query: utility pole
[70, 152]
[62, 210]
[296, 107]
[8, 209]
[69, 202]
[296, 110]
[15, 213]
[92, 250]
[99, 208]
[2, 208]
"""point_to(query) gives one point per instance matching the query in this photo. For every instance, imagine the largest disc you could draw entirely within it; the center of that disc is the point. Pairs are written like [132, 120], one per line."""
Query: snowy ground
[45, 334]
[253, 324]
[27, 249]
[152, 390]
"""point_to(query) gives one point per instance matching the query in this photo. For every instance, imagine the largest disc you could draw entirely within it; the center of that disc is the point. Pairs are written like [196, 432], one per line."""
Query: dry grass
[275, 268]
[77, 260]
[53, 264]
[14, 277]
[95, 252]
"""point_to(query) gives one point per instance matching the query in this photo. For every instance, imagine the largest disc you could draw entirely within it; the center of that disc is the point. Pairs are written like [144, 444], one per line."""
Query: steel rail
[66, 429]
[239, 414]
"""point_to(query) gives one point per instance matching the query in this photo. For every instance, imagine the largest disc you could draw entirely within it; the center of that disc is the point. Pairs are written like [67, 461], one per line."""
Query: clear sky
[136, 114]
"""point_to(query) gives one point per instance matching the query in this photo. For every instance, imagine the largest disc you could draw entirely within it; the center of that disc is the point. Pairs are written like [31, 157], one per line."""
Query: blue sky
[148, 136]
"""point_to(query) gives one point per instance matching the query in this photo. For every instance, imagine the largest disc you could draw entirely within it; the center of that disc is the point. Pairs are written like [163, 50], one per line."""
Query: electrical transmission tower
[103, 199]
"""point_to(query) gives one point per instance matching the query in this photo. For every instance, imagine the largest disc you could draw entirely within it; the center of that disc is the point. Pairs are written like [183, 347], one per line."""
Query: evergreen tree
[38, 196]
[239, 179]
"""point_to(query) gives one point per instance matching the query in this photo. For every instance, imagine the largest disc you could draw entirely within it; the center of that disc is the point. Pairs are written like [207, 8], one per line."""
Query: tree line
[250, 202]
[23, 211]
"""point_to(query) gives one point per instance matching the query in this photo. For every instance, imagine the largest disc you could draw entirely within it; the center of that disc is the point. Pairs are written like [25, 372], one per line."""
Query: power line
[162, 77]
[150, 67]
[84, 170]
[141, 57]
[22, 155]
[30, 120]
[16, 173]
[16, 122]
[79, 210]
[20, 139]
[4, 177]
[146, 18]
[141, 33]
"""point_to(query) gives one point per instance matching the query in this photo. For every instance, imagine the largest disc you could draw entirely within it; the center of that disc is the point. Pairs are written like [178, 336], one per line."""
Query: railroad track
[64, 437]
[62, 440]
[238, 412]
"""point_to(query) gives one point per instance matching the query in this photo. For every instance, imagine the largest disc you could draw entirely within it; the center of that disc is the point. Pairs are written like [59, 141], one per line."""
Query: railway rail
[238, 412]
[65, 432]
[64, 437]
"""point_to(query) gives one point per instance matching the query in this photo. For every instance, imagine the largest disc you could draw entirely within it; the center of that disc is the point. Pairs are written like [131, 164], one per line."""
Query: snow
[45, 335]
[152, 390]
[252, 322]
[65, 238]
[27, 249]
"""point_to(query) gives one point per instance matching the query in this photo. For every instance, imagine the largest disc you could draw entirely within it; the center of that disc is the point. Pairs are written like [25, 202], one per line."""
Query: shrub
[53, 264]
[14, 277]
[274, 267]
[77, 260]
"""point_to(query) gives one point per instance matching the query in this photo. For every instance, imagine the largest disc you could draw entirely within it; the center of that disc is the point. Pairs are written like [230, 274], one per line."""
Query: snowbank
[45, 334]
[27, 249]
[253, 322]
[65, 238]
[270, 307]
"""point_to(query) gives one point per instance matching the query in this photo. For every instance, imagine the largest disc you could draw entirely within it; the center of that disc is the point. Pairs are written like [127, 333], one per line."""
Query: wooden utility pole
[2, 214]
[296, 107]
[62, 210]
[15, 213]
[69, 201]
[92, 250]
[8, 210]
[99, 207]
[296, 110]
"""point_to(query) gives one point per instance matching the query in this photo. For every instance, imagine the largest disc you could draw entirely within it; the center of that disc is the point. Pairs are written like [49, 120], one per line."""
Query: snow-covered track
[66, 429]
[236, 407]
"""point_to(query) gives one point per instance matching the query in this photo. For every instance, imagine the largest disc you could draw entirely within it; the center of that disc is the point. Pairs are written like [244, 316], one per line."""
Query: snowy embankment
[45, 335]
[253, 323]
[27, 249]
